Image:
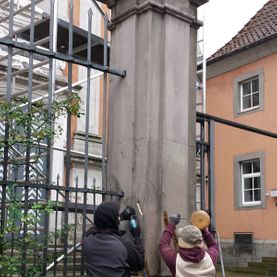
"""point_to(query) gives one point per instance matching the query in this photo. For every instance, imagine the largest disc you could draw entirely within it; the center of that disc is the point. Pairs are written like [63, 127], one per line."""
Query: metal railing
[61, 207]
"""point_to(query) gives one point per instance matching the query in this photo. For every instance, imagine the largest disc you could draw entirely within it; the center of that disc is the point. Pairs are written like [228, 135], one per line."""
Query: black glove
[174, 219]
[127, 213]
[134, 227]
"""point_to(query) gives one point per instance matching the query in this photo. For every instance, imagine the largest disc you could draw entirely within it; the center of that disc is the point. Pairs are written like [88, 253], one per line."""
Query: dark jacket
[112, 254]
[194, 255]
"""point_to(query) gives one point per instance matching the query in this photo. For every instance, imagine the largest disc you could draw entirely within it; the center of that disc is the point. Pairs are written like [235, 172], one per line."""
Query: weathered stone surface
[152, 112]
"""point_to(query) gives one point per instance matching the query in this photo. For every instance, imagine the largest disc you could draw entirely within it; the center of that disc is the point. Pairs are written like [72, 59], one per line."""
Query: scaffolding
[201, 179]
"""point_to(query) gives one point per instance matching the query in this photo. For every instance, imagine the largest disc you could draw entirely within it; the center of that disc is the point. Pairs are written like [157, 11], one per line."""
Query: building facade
[241, 84]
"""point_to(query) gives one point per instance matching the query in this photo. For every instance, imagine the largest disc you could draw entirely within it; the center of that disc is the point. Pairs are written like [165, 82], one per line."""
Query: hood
[106, 216]
[194, 255]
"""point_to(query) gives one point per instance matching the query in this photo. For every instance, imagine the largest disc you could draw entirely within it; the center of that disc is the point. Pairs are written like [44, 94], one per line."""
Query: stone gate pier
[151, 138]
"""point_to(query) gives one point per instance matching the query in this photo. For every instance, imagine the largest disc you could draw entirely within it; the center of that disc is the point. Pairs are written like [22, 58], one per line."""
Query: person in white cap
[197, 253]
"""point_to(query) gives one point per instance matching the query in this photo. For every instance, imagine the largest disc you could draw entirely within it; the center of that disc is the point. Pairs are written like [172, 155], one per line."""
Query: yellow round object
[200, 219]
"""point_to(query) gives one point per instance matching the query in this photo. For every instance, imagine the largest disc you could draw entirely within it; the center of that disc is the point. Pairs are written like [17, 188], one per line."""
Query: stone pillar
[151, 144]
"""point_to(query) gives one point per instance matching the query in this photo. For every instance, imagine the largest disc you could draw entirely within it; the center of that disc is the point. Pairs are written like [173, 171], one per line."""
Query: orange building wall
[230, 142]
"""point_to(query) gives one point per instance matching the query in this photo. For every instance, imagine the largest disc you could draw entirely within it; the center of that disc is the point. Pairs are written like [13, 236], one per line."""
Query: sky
[223, 19]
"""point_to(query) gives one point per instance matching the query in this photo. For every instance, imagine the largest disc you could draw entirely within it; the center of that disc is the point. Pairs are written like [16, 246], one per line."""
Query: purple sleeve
[211, 244]
[168, 254]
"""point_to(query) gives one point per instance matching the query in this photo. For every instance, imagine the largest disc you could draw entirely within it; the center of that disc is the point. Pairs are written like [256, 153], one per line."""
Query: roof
[261, 27]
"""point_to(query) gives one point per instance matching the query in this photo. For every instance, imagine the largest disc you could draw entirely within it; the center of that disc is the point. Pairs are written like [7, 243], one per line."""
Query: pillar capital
[180, 9]
[111, 3]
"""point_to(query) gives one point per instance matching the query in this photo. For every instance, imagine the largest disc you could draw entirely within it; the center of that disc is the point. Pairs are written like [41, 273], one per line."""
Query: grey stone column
[151, 144]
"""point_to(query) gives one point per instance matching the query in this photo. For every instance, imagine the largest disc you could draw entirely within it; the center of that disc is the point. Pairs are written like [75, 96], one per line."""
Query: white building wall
[62, 7]
[60, 141]
[58, 161]
[58, 165]
[95, 84]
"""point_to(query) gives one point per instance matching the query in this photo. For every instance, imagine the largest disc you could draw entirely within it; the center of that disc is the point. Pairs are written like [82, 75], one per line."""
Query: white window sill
[249, 109]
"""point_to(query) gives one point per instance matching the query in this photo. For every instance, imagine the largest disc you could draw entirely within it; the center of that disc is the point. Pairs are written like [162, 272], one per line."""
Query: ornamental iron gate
[52, 177]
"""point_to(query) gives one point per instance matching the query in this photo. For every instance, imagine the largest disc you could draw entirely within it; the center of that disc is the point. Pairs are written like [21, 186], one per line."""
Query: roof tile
[261, 26]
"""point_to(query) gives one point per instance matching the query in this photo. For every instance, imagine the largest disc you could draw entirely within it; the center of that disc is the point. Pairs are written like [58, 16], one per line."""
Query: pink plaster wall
[230, 142]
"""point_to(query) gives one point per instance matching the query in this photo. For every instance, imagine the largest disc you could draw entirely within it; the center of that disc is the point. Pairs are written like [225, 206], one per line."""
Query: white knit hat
[189, 237]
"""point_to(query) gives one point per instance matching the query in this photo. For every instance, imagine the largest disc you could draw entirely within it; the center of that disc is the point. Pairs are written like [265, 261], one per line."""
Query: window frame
[238, 95]
[239, 202]
[246, 176]
[251, 94]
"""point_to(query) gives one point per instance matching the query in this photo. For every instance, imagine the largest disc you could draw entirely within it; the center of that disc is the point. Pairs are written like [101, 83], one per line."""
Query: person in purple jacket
[197, 253]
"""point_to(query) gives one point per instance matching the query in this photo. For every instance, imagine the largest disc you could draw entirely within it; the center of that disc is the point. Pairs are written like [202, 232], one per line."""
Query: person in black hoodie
[109, 252]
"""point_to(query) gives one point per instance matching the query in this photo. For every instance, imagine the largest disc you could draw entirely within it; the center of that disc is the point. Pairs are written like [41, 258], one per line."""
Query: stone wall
[261, 248]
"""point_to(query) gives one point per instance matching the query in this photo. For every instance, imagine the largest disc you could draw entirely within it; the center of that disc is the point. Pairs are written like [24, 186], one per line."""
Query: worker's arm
[168, 254]
[134, 247]
[211, 244]
[135, 253]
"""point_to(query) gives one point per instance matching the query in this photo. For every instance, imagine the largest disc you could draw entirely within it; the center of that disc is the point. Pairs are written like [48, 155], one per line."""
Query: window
[249, 179]
[248, 93]
[251, 182]
[243, 241]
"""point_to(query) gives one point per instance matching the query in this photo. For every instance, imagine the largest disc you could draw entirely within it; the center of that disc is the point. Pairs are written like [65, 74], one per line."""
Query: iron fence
[43, 218]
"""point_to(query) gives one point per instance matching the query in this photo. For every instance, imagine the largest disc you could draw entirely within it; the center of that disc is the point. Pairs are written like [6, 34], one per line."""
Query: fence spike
[90, 13]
